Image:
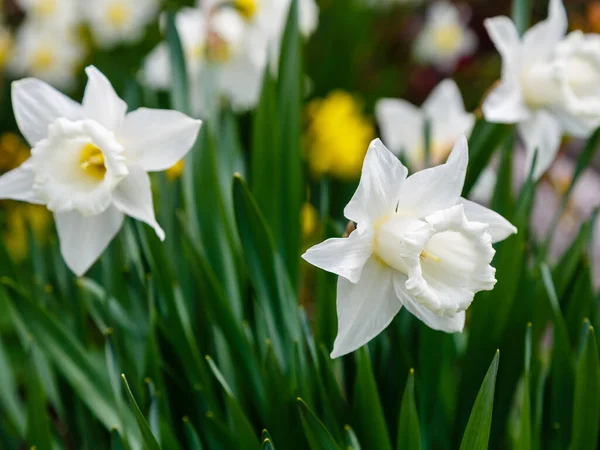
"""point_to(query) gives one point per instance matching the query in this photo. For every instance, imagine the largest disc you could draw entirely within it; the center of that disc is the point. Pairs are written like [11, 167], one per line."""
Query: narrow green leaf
[266, 273]
[524, 439]
[291, 78]
[179, 78]
[521, 14]
[586, 405]
[38, 433]
[116, 442]
[319, 438]
[267, 441]
[244, 432]
[10, 402]
[150, 442]
[369, 420]
[350, 439]
[409, 434]
[193, 440]
[477, 433]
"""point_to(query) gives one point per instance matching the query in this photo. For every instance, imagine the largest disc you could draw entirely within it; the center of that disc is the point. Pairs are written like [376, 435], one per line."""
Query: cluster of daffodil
[49, 44]
[227, 46]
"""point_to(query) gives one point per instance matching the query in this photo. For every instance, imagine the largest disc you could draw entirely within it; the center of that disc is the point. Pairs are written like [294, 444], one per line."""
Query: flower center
[447, 37]
[539, 86]
[246, 8]
[91, 160]
[118, 14]
[46, 7]
[43, 60]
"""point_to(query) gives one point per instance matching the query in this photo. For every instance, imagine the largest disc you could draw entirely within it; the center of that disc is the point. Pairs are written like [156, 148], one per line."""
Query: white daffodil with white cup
[550, 83]
[89, 161]
[417, 245]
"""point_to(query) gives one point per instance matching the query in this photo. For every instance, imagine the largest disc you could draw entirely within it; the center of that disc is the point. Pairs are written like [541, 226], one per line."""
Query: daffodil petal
[447, 324]
[343, 256]
[37, 104]
[17, 184]
[541, 39]
[499, 229]
[364, 309]
[157, 139]
[83, 239]
[542, 133]
[382, 178]
[401, 125]
[504, 35]
[133, 196]
[505, 104]
[101, 102]
[436, 188]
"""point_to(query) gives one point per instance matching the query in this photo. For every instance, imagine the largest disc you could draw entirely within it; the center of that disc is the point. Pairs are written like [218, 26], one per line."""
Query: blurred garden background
[221, 329]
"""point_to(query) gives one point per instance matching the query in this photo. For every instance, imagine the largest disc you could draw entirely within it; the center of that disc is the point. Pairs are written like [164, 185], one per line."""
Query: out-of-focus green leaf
[503, 201]
[193, 440]
[9, 400]
[524, 438]
[244, 433]
[409, 434]
[266, 272]
[38, 423]
[179, 78]
[150, 442]
[267, 441]
[291, 174]
[521, 14]
[562, 372]
[586, 404]
[267, 155]
[319, 438]
[369, 421]
[482, 144]
[350, 439]
[75, 365]
[116, 443]
[477, 433]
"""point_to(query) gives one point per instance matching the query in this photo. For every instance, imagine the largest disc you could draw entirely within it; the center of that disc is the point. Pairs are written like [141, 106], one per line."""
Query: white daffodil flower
[417, 244]
[402, 124]
[119, 21]
[89, 161]
[58, 13]
[445, 37]
[550, 83]
[48, 53]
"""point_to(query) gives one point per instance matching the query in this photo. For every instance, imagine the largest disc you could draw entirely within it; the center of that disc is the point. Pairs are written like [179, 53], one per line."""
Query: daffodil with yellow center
[89, 162]
[444, 38]
[417, 245]
[118, 13]
[337, 135]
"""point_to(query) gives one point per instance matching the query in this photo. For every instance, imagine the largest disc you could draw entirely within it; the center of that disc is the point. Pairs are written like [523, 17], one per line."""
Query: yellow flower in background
[6, 45]
[310, 219]
[338, 134]
[176, 171]
[20, 216]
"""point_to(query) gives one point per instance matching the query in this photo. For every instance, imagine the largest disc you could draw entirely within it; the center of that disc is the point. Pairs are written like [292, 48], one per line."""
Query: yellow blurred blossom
[310, 219]
[6, 45]
[176, 171]
[338, 135]
[13, 151]
[19, 219]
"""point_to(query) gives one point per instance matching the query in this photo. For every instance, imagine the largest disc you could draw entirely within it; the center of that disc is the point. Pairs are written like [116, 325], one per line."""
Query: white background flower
[417, 244]
[46, 52]
[550, 84]
[56, 13]
[402, 124]
[116, 21]
[445, 37]
[89, 161]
